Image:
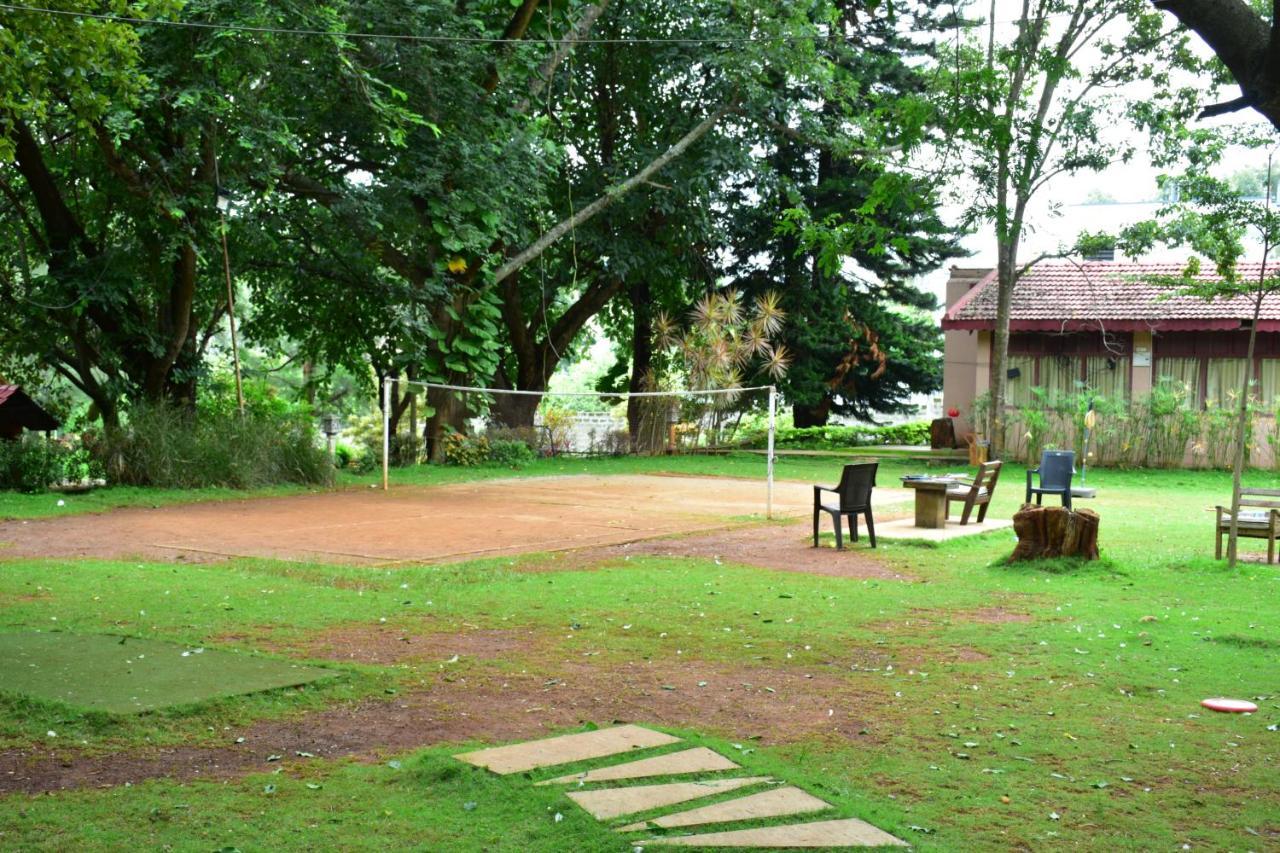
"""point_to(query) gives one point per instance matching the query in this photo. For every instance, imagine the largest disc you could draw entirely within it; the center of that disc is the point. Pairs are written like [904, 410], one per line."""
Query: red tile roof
[1062, 297]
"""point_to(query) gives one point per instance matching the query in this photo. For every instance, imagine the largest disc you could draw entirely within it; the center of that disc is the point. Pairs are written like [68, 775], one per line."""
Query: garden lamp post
[330, 426]
[224, 204]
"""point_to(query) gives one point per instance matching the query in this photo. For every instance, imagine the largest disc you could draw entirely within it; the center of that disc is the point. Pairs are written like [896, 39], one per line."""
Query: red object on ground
[1230, 706]
[953, 412]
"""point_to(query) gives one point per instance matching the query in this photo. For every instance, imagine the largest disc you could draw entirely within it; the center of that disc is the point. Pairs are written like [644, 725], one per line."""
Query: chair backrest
[1266, 498]
[856, 483]
[988, 474]
[1056, 468]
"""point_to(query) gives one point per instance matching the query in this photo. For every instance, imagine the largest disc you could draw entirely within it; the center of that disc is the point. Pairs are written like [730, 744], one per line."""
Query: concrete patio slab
[905, 528]
[696, 760]
[826, 833]
[615, 802]
[565, 749]
[776, 803]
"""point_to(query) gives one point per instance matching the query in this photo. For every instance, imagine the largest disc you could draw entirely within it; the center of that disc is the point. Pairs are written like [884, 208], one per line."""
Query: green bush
[465, 450]
[165, 446]
[913, 434]
[33, 463]
[510, 453]
[344, 455]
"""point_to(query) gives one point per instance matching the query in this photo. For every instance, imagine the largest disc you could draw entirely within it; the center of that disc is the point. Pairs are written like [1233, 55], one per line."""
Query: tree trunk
[1242, 429]
[811, 416]
[1054, 531]
[641, 353]
[516, 411]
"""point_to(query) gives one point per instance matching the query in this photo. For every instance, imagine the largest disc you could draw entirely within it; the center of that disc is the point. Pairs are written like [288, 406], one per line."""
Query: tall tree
[1247, 41]
[856, 226]
[1212, 219]
[1041, 104]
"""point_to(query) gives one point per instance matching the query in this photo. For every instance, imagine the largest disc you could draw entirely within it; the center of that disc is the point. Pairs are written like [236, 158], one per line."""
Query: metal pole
[386, 433]
[773, 413]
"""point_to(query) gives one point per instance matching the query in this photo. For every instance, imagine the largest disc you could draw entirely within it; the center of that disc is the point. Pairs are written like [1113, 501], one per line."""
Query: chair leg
[982, 512]
[1217, 545]
[853, 526]
[1271, 550]
[968, 508]
[871, 529]
[1028, 498]
[817, 514]
[1066, 499]
[839, 534]
[1039, 496]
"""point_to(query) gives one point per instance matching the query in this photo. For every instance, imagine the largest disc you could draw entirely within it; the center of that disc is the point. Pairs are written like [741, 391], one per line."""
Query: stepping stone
[776, 803]
[696, 760]
[614, 802]
[565, 749]
[825, 833]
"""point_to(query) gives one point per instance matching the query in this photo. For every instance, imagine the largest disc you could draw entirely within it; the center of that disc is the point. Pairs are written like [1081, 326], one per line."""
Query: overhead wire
[446, 38]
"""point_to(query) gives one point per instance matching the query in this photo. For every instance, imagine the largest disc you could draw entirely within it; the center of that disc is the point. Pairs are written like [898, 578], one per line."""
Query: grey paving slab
[564, 749]
[787, 800]
[850, 832]
[609, 803]
[696, 760]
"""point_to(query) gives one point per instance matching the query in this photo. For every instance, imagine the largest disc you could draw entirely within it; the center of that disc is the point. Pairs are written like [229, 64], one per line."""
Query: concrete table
[931, 500]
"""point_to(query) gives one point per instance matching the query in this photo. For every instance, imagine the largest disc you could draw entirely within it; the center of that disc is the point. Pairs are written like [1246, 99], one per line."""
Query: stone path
[608, 803]
[696, 760]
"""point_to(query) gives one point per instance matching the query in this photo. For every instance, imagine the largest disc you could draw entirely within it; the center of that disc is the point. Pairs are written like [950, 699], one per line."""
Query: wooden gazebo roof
[19, 412]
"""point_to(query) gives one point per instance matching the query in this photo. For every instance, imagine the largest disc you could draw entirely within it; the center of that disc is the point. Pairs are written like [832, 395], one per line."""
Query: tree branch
[611, 195]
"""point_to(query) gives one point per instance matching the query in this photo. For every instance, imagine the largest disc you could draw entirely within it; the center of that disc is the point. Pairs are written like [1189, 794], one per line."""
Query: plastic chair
[856, 483]
[1056, 470]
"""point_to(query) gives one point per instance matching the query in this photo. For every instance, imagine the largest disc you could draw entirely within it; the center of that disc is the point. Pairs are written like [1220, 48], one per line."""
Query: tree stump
[942, 434]
[1055, 531]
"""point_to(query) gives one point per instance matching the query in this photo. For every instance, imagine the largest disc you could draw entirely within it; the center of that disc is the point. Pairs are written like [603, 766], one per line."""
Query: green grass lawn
[1032, 706]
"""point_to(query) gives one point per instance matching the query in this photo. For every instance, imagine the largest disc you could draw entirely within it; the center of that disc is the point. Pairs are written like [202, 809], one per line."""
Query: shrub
[836, 437]
[165, 446]
[344, 455]
[33, 463]
[511, 454]
[465, 450]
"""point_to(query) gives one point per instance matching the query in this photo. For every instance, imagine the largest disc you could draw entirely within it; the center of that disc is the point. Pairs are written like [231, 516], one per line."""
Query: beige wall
[1141, 377]
[967, 355]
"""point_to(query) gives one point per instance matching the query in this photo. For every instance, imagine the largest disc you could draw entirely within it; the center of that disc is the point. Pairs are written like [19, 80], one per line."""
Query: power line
[409, 37]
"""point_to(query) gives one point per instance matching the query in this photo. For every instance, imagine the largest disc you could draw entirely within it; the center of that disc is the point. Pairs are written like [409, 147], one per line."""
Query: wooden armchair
[976, 492]
[1259, 519]
[856, 483]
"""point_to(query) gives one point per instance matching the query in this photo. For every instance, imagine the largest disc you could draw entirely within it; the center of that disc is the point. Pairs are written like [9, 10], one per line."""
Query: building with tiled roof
[1111, 327]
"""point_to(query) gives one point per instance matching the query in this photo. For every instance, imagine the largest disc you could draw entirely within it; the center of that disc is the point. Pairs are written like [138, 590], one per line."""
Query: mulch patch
[774, 705]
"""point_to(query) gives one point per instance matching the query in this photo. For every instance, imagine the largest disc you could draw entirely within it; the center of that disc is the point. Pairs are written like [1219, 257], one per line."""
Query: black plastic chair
[856, 483]
[1055, 471]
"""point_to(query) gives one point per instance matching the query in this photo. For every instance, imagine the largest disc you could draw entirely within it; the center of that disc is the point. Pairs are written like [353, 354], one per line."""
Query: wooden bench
[1259, 519]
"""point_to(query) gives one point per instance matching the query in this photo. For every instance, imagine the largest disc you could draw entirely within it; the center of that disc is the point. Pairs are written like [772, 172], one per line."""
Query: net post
[386, 433]
[773, 409]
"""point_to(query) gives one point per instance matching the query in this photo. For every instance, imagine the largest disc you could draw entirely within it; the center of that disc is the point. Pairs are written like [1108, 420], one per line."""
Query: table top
[928, 482]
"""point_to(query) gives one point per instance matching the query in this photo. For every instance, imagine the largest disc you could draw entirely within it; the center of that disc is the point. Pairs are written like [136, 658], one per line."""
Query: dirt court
[418, 524]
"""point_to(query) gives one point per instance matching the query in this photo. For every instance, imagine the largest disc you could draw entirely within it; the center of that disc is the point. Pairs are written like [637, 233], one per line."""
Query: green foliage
[834, 437]
[1164, 429]
[164, 446]
[510, 453]
[465, 450]
[32, 463]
